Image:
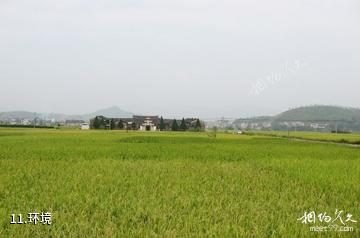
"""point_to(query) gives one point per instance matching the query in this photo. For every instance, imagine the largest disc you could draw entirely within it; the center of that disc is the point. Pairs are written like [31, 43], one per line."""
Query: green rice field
[167, 184]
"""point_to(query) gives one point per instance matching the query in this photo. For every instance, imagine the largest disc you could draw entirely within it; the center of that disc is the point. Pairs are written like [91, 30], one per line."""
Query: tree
[198, 125]
[174, 126]
[183, 125]
[96, 123]
[133, 126]
[162, 124]
[112, 124]
[120, 125]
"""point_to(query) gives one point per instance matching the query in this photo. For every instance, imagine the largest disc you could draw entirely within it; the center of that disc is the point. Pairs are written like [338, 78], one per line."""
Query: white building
[148, 125]
[85, 126]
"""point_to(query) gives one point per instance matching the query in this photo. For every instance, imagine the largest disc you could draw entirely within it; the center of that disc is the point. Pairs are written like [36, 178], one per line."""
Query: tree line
[100, 122]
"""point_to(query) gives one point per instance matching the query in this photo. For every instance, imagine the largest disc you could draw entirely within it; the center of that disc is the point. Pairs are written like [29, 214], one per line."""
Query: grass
[118, 184]
[316, 136]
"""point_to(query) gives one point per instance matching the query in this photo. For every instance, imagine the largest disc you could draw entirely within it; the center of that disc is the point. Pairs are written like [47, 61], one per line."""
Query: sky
[226, 58]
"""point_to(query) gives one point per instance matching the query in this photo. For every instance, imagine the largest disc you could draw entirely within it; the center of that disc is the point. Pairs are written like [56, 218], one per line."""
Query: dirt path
[318, 141]
[326, 142]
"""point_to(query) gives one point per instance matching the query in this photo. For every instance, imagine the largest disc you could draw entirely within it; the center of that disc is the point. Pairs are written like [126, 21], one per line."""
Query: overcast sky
[204, 58]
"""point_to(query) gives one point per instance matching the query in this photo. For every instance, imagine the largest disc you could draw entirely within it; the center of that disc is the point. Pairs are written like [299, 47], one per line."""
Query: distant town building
[25, 122]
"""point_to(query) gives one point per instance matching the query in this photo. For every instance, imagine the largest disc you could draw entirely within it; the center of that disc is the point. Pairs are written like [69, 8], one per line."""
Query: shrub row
[26, 126]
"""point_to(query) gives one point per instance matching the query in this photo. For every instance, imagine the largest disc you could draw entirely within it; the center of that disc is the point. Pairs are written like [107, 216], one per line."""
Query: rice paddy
[133, 184]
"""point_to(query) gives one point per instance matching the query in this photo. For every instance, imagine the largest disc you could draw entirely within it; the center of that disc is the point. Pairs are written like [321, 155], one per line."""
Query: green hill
[320, 113]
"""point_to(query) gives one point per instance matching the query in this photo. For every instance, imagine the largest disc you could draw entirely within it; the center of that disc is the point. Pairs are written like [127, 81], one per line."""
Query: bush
[27, 126]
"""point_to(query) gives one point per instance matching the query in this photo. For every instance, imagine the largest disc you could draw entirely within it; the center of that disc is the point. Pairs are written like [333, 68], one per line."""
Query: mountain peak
[113, 111]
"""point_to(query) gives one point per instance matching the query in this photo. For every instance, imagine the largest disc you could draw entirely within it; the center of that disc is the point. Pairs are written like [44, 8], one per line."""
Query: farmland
[133, 184]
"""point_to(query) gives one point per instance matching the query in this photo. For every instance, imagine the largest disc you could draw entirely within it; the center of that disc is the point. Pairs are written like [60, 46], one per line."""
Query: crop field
[327, 137]
[155, 184]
